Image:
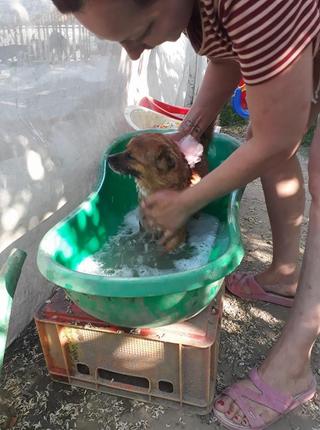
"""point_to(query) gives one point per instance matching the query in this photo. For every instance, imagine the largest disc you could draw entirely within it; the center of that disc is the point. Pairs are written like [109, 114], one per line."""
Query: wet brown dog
[157, 163]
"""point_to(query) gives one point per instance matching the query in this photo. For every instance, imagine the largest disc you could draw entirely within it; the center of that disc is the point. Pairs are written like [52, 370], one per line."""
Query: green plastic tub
[146, 301]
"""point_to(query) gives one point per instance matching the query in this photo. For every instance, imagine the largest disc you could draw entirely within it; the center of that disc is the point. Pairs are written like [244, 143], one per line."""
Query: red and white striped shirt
[264, 36]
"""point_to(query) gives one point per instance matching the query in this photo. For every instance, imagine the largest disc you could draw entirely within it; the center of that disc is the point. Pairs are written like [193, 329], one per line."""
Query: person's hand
[177, 135]
[166, 210]
[188, 127]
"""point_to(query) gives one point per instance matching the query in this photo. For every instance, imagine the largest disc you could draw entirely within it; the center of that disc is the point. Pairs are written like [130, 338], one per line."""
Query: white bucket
[140, 118]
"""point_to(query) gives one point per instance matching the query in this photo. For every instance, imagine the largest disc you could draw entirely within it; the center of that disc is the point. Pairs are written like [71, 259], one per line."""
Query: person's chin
[172, 38]
[175, 37]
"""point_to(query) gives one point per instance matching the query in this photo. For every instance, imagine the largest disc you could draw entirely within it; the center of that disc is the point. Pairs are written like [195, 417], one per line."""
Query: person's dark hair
[68, 6]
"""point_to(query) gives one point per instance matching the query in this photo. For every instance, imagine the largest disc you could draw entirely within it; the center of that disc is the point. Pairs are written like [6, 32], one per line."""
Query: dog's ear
[165, 161]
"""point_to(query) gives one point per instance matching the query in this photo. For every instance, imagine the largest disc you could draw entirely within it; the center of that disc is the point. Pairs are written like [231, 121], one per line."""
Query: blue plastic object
[236, 103]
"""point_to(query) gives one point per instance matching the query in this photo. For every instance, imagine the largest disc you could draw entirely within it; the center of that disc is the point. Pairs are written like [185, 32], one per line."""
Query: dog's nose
[113, 161]
[112, 158]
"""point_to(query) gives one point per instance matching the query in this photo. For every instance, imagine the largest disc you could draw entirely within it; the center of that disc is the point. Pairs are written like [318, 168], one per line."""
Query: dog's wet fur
[157, 163]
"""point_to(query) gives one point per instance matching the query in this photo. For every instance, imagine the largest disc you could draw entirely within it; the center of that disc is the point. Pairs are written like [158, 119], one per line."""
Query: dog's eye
[129, 156]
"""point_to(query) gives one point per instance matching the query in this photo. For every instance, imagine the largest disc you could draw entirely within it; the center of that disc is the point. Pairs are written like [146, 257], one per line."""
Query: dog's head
[155, 161]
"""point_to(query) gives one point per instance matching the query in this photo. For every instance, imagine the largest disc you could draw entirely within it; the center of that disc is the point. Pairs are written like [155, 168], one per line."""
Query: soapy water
[134, 253]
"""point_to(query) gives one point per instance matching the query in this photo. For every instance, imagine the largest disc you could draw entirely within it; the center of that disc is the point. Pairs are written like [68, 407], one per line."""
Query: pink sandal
[246, 287]
[268, 396]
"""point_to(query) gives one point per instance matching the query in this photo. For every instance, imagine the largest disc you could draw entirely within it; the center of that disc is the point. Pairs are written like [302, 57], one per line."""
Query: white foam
[202, 233]
[131, 253]
[131, 221]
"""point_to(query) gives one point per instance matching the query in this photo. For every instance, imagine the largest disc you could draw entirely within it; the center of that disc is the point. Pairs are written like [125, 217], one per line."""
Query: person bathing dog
[274, 46]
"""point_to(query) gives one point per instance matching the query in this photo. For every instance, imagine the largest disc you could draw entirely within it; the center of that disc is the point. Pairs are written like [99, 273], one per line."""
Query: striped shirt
[264, 36]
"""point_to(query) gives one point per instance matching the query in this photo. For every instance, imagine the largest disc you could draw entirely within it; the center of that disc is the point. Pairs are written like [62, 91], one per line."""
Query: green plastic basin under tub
[138, 301]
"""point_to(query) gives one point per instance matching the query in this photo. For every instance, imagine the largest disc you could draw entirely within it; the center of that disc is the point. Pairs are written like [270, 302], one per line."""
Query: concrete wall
[59, 111]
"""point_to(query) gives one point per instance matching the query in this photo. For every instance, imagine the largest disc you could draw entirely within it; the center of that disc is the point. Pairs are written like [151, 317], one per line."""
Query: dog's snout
[121, 163]
[112, 158]
[114, 162]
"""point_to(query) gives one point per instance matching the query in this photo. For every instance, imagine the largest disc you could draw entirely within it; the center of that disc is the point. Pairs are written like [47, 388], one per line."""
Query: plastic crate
[173, 365]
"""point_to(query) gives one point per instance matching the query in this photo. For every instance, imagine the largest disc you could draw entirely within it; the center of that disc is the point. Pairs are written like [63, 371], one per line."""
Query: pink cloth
[191, 149]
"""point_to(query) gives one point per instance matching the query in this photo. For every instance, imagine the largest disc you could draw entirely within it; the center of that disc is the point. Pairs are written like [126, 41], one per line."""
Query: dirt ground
[248, 330]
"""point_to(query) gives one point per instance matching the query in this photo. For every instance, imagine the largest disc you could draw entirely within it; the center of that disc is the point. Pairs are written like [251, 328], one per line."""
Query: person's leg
[283, 189]
[297, 339]
[284, 194]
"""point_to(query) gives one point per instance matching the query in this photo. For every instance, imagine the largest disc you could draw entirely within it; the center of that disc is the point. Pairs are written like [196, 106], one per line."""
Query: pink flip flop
[246, 287]
[268, 396]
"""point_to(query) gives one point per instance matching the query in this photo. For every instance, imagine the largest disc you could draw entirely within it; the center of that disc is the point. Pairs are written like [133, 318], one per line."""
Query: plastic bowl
[138, 302]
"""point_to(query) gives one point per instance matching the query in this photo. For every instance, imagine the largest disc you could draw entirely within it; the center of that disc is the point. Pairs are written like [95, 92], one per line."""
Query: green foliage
[307, 139]
[229, 118]
[232, 123]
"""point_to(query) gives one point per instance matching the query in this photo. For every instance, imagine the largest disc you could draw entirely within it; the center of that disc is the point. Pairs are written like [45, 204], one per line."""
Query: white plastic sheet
[62, 99]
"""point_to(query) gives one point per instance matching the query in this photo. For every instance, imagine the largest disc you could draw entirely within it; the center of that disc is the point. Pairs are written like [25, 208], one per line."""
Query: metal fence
[51, 39]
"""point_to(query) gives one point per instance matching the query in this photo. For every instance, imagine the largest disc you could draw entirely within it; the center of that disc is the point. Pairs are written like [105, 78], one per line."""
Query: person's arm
[279, 111]
[211, 97]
